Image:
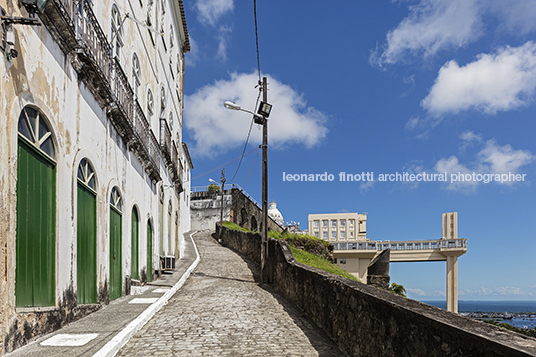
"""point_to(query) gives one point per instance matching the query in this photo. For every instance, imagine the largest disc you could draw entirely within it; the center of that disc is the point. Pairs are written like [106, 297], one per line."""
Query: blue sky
[381, 87]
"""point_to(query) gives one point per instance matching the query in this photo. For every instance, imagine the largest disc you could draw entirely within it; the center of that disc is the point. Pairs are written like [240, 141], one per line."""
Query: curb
[111, 348]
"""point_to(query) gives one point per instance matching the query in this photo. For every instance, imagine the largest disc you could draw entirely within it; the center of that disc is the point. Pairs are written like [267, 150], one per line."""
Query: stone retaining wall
[366, 321]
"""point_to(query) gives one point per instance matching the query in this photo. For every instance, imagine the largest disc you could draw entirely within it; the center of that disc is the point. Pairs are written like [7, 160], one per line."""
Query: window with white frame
[117, 33]
[342, 223]
[333, 223]
[162, 99]
[136, 74]
[325, 235]
[325, 223]
[150, 103]
[333, 235]
[343, 235]
[315, 224]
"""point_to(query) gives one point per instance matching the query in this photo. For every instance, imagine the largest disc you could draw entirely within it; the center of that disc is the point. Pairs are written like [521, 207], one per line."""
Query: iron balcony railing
[434, 244]
[165, 141]
[77, 31]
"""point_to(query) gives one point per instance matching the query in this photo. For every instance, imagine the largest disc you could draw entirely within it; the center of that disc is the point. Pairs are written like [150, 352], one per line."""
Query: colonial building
[92, 162]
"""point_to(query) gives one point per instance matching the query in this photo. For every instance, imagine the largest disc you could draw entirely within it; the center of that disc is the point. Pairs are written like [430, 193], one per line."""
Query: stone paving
[222, 311]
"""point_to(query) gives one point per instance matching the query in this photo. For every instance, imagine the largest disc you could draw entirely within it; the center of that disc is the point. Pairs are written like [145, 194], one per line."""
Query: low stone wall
[366, 321]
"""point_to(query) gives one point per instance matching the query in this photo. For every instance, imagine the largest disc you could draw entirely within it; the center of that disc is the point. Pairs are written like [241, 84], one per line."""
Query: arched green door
[86, 232]
[35, 280]
[115, 244]
[134, 245]
[161, 218]
[169, 251]
[149, 251]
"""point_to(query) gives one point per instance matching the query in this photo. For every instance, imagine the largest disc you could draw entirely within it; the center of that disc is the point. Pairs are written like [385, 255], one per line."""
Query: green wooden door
[35, 277]
[149, 252]
[86, 262]
[134, 245]
[115, 254]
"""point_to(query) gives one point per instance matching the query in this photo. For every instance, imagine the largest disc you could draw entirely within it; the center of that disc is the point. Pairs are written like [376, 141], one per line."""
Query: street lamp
[261, 118]
[222, 192]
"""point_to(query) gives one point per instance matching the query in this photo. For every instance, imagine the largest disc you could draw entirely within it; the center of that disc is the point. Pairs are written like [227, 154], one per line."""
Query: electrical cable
[258, 85]
[247, 139]
[227, 163]
[257, 39]
[254, 161]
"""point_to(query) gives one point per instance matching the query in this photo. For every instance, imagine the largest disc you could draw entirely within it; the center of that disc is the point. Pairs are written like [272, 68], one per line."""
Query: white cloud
[223, 36]
[425, 293]
[431, 26]
[515, 16]
[469, 136]
[502, 81]
[193, 56]
[494, 291]
[210, 11]
[216, 129]
[503, 159]
[492, 159]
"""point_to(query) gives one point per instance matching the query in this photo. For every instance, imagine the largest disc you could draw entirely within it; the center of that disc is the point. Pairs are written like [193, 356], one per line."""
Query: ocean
[509, 306]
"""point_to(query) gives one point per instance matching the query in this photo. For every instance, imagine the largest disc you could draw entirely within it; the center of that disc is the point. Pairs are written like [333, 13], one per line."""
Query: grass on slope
[317, 262]
[302, 256]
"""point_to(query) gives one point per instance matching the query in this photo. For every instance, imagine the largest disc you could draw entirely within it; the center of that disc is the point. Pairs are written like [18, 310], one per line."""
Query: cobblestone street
[222, 311]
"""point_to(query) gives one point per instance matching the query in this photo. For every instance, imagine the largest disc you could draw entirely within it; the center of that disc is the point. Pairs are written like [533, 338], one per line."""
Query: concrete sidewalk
[104, 332]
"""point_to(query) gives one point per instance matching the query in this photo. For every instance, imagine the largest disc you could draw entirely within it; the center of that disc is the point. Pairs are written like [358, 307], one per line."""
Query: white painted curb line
[114, 345]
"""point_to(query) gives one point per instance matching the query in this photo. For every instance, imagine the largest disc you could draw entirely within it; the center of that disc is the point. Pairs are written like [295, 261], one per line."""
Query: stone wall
[246, 213]
[366, 321]
[237, 208]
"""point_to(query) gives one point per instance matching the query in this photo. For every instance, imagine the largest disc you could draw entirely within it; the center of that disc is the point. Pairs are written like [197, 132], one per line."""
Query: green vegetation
[235, 226]
[307, 250]
[309, 244]
[526, 332]
[213, 188]
[398, 289]
[320, 263]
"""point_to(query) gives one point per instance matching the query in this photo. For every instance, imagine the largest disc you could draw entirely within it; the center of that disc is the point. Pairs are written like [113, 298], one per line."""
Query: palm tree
[398, 289]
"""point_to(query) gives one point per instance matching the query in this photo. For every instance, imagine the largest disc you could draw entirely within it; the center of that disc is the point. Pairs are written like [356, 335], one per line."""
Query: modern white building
[353, 251]
[91, 163]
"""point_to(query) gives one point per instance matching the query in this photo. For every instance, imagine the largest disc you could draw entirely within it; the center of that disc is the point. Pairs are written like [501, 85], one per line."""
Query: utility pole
[264, 246]
[222, 194]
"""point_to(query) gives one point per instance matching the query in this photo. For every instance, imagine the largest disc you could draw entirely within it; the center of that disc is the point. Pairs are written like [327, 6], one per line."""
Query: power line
[219, 167]
[258, 85]
[252, 166]
[257, 39]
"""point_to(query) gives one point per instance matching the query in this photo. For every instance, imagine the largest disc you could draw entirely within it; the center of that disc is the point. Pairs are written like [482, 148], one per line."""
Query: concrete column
[363, 264]
[452, 283]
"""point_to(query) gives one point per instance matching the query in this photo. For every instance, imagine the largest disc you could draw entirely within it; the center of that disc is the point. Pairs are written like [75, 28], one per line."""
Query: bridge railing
[433, 244]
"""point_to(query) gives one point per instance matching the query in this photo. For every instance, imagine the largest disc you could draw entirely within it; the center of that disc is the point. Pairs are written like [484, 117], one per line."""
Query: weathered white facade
[96, 96]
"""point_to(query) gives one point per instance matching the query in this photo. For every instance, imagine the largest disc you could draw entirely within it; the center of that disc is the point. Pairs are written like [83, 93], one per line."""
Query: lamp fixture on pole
[261, 118]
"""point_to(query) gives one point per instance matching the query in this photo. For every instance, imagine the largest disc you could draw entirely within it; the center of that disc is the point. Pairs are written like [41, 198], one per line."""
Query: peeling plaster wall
[42, 76]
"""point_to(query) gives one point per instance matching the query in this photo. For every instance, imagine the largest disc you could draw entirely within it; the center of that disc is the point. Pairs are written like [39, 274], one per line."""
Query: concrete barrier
[367, 321]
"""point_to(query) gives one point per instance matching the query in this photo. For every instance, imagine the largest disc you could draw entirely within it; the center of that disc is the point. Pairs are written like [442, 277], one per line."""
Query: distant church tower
[274, 213]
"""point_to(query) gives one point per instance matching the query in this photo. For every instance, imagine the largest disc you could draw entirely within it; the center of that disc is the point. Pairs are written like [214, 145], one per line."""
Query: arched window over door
[135, 238]
[86, 235]
[35, 281]
[116, 207]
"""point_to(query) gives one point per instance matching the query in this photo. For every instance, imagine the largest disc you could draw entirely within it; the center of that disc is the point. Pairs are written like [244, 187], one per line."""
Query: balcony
[75, 28]
[165, 141]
